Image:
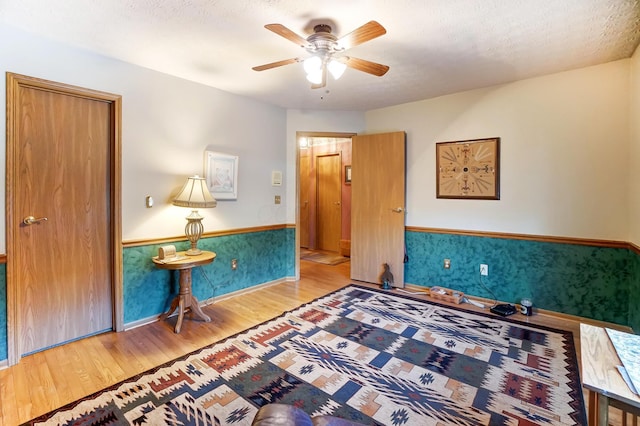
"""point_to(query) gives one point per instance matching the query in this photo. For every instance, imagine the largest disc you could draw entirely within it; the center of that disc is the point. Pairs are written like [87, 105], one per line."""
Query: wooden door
[329, 209]
[377, 206]
[305, 205]
[61, 264]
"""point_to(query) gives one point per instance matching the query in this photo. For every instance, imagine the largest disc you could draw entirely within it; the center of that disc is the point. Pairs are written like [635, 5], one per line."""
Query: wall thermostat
[276, 178]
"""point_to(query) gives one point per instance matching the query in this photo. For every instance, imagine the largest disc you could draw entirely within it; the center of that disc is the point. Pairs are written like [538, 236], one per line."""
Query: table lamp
[196, 195]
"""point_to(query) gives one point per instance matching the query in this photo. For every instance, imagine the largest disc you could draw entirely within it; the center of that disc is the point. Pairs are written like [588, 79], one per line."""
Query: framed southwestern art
[468, 169]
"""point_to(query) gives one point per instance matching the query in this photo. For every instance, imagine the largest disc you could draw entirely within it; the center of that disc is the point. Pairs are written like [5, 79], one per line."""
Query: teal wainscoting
[588, 281]
[634, 293]
[4, 354]
[263, 257]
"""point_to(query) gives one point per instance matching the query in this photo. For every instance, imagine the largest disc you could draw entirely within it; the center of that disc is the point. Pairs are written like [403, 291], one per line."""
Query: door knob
[30, 220]
[397, 210]
[337, 203]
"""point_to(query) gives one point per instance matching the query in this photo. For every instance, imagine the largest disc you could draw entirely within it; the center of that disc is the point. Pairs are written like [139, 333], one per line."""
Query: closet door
[60, 266]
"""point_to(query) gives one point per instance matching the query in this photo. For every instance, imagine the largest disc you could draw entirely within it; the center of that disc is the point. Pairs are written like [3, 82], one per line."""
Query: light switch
[149, 201]
[278, 199]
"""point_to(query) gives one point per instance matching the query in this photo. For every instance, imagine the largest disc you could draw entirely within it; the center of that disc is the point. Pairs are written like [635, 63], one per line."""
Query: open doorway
[376, 198]
[324, 196]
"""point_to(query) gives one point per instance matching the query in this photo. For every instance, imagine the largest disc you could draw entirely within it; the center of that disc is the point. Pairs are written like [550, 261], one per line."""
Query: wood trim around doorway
[14, 82]
[299, 135]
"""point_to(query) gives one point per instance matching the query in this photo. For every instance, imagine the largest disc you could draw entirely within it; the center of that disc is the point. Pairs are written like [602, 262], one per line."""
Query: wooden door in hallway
[63, 229]
[378, 206]
[329, 205]
[305, 204]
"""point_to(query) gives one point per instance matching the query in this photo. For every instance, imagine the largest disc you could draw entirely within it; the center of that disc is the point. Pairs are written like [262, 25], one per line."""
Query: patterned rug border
[569, 346]
[457, 308]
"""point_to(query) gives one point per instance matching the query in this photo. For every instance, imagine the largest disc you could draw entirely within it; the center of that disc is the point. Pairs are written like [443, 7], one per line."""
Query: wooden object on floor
[446, 294]
[185, 298]
[601, 377]
[627, 412]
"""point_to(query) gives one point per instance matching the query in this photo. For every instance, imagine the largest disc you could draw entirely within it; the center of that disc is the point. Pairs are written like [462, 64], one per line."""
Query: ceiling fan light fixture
[315, 77]
[312, 64]
[336, 68]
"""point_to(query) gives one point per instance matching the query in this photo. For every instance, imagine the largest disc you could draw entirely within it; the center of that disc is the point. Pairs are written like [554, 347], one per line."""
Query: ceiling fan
[327, 52]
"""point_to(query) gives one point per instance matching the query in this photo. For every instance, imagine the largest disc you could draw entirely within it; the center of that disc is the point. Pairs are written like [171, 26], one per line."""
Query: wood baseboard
[345, 248]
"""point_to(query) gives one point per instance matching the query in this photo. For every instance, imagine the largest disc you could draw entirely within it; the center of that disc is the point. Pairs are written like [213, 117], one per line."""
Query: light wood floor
[44, 381]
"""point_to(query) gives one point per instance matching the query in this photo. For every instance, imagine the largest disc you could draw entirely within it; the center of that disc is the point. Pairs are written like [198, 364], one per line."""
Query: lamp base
[193, 252]
[193, 231]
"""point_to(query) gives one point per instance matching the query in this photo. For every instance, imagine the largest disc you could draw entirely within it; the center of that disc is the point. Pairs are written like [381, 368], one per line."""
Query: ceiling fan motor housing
[323, 41]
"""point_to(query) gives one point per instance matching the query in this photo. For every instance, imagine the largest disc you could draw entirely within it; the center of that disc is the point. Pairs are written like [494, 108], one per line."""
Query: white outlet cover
[484, 269]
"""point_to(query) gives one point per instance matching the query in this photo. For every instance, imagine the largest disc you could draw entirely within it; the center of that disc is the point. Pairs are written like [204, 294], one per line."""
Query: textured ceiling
[433, 47]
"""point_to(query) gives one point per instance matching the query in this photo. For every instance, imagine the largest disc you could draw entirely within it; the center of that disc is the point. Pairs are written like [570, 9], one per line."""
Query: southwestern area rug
[366, 355]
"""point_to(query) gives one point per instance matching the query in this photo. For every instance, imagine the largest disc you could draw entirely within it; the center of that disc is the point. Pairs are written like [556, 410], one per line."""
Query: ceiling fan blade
[367, 32]
[367, 66]
[276, 64]
[323, 83]
[285, 32]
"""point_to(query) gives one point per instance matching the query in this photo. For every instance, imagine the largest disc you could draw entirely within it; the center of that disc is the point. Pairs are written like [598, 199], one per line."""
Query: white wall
[167, 123]
[313, 121]
[564, 154]
[634, 168]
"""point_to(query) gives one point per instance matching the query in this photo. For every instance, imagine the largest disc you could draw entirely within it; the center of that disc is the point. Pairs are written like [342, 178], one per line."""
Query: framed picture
[347, 174]
[468, 169]
[221, 174]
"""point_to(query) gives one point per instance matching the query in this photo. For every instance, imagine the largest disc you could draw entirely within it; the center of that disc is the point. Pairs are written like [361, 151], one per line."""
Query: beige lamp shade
[194, 194]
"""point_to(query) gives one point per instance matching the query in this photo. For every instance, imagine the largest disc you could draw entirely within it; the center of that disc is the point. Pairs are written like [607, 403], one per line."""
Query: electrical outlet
[484, 269]
[234, 264]
[447, 263]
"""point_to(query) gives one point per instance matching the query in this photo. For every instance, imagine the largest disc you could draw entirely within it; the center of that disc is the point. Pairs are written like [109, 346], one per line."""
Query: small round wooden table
[185, 298]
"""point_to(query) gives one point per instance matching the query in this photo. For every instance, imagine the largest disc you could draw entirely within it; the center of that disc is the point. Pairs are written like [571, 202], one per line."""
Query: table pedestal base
[185, 299]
